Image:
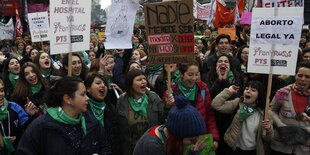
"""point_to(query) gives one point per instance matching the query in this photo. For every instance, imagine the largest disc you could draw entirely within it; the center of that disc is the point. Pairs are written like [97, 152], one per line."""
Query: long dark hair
[239, 52]
[84, 70]
[5, 76]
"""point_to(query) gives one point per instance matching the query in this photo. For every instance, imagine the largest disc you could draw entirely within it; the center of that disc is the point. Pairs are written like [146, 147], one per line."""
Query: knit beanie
[184, 120]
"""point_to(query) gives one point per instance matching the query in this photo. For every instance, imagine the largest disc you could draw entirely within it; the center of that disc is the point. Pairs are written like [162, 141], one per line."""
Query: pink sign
[246, 18]
[166, 49]
[159, 39]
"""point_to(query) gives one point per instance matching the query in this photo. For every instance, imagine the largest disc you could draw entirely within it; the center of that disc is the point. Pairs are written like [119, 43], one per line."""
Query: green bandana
[98, 109]
[246, 111]
[175, 76]
[153, 69]
[59, 115]
[139, 105]
[8, 144]
[13, 78]
[108, 79]
[188, 92]
[4, 110]
[20, 53]
[230, 76]
[35, 88]
[47, 74]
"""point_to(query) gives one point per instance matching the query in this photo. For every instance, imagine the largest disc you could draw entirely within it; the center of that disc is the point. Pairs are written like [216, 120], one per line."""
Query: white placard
[39, 26]
[283, 3]
[120, 23]
[277, 52]
[69, 25]
[7, 30]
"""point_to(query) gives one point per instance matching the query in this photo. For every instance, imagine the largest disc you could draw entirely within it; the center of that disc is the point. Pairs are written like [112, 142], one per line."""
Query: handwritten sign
[283, 3]
[170, 32]
[70, 25]
[274, 40]
[229, 31]
[7, 30]
[246, 18]
[203, 11]
[120, 23]
[39, 26]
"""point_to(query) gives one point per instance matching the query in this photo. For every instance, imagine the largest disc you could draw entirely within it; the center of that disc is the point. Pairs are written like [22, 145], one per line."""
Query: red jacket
[203, 106]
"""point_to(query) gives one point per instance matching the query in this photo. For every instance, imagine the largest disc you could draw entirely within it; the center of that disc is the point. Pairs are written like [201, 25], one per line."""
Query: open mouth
[47, 63]
[247, 96]
[101, 92]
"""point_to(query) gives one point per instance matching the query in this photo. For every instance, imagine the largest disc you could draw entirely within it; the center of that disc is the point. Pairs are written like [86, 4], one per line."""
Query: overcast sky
[105, 3]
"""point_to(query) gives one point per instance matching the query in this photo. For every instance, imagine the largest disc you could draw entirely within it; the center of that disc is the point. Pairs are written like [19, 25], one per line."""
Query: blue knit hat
[184, 120]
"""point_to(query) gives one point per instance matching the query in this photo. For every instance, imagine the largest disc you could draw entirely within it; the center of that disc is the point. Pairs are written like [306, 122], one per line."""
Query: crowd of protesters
[116, 103]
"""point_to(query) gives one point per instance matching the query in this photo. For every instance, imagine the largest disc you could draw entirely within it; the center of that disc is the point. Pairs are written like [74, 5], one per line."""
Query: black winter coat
[48, 136]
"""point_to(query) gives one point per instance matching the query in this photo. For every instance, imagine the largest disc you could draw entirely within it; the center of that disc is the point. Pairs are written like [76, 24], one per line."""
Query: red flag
[18, 25]
[224, 16]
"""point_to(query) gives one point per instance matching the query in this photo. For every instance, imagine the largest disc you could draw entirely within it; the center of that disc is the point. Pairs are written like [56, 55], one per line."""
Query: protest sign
[203, 11]
[246, 18]
[283, 3]
[39, 26]
[120, 23]
[229, 31]
[274, 40]
[70, 26]
[170, 32]
[7, 30]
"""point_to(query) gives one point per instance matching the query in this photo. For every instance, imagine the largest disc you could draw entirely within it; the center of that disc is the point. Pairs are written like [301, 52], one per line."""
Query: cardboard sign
[246, 18]
[283, 3]
[39, 26]
[120, 24]
[70, 26]
[229, 31]
[170, 32]
[7, 30]
[274, 40]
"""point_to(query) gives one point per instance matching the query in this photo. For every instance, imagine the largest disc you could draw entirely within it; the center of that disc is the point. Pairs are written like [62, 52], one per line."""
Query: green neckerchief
[4, 110]
[8, 144]
[35, 88]
[98, 109]
[59, 115]
[246, 111]
[153, 69]
[176, 77]
[230, 76]
[188, 92]
[139, 105]
[108, 79]
[20, 53]
[47, 74]
[13, 78]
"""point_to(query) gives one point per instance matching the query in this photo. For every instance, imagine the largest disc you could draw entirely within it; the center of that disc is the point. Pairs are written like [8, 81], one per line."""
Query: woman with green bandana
[197, 93]
[66, 128]
[244, 135]
[138, 109]
[30, 88]
[49, 72]
[103, 110]
[10, 131]
[10, 75]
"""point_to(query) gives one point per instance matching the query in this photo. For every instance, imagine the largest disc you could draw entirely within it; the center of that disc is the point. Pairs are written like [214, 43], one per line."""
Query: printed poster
[39, 26]
[120, 24]
[274, 40]
[69, 26]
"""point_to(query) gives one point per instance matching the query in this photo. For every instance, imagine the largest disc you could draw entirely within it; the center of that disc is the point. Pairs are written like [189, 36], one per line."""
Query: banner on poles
[120, 23]
[70, 26]
[39, 26]
[274, 40]
[7, 30]
[170, 32]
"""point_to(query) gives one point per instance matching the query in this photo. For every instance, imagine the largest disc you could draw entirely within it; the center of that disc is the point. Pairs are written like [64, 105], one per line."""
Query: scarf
[189, 93]
[230, 76]
[139, 105]
[13, 78]
[175, 78]
[301, 93]
[246, 111]
[4, 110]
[20, 53]
[59, 115]
[47, 74]
[98, 109]
[153, 69]
[35, 88]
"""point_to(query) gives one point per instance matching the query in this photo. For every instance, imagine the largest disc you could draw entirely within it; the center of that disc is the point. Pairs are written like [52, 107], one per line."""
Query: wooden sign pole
[70, 64]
